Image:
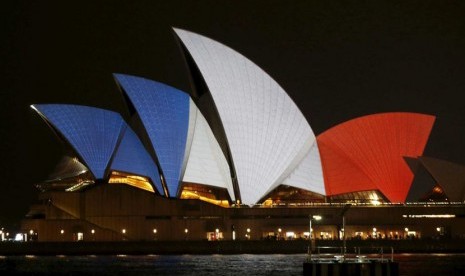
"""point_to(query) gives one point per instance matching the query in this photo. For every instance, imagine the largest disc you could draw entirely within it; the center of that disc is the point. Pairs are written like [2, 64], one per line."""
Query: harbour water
[239, 265]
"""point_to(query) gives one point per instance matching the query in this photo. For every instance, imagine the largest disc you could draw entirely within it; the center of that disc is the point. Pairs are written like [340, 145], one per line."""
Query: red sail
[367, 153]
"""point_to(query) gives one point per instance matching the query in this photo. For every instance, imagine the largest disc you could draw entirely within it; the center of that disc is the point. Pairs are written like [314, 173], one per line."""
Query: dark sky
[338, 61]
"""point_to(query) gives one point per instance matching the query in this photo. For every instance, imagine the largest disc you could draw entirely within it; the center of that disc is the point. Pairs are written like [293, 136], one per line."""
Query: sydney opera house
[236, 159]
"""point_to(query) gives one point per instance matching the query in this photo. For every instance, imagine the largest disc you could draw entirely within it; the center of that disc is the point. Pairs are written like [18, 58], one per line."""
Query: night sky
[337, 61]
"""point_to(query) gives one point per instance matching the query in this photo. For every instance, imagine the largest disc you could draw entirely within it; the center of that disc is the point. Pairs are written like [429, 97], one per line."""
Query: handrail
[358, 254]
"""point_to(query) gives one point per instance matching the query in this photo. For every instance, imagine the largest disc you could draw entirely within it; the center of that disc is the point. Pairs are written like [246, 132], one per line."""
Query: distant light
[19, 237]
[317, 217]
[248, 230]
[438, 229]
[62, 231]
[31, 231]
[406, 229]
[217, 230]
[279, 230]
[376, 202]
[123, 231]
[186, 230]
[154, 230]
[374, 229]
[92, 231]
[430, 216]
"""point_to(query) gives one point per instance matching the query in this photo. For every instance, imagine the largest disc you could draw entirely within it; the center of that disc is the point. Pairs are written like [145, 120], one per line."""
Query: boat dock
[335, 261]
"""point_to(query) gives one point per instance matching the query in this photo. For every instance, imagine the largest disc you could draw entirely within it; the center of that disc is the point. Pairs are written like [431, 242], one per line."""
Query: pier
[335, 261]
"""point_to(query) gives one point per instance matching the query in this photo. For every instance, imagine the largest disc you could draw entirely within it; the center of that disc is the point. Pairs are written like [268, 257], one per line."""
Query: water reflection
[239, 265]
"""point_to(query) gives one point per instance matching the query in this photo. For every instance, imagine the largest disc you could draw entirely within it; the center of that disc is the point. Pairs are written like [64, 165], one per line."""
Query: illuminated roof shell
[308, 174]
[131, 157]
[267, 134]
[164, 112]
[206, 163]
[92, 132]
[367, 153]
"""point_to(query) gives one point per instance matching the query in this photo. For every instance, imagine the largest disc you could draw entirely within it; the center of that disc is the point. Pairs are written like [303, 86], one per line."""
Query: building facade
[115, 212]
[236, 159]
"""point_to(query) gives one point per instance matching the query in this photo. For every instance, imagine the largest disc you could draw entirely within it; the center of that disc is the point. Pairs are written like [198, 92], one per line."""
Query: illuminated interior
[132, 180]
[435, 195]
[69, 175]
[213, 195]
[69, 184]
[284, 194]
[365, 197]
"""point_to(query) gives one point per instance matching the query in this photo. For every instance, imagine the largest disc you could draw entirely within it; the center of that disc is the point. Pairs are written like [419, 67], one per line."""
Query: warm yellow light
[430, 216]
[31, 231]
[317, 217]
[279, 230]
[154, 230]
[438, 229]
[217, 230]
[131, 180]
[193, 195]
[186, 230]
[123, 231]
[62, 231]
[248, 230]
[374, 229]
[92, 231]
[376, 202]
[406, 229]
[268, 202]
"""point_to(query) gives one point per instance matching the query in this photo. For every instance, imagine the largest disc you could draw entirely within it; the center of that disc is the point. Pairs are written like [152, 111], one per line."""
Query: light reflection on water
[239, 265]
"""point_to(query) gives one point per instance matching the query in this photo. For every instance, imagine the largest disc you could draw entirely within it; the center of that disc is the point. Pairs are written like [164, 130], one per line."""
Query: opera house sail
[267, 134]
[180, 138]
[367, 153]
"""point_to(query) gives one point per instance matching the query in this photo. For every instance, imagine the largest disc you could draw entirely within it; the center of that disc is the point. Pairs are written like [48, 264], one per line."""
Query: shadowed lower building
[436, 180]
